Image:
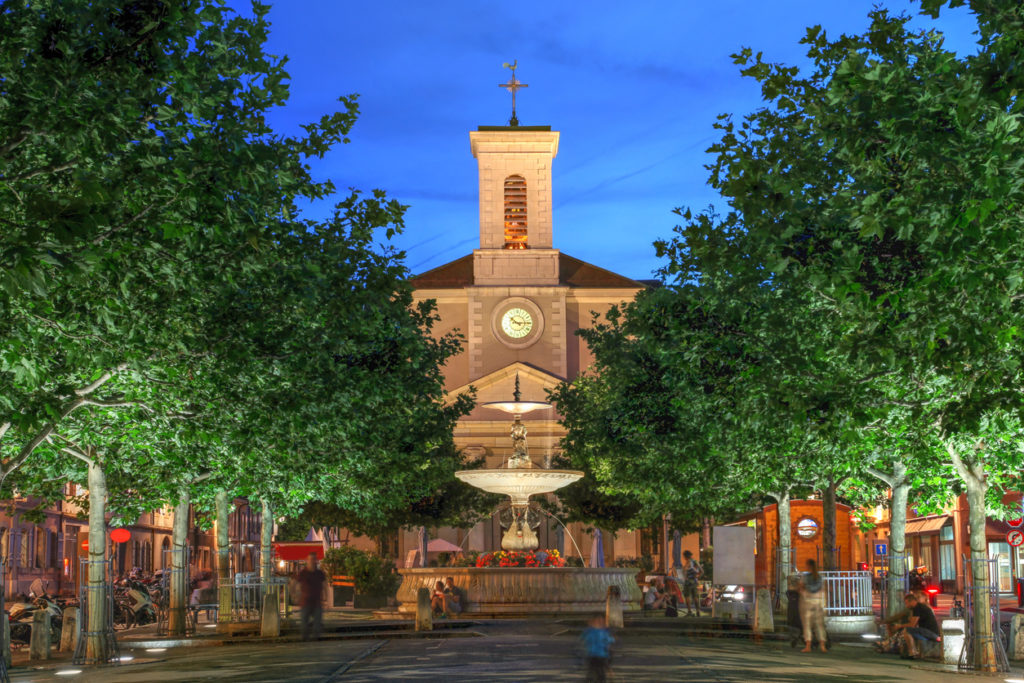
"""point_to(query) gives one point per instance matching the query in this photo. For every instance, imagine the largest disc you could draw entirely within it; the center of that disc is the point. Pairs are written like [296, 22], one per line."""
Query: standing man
[692, 575]
[311, 582]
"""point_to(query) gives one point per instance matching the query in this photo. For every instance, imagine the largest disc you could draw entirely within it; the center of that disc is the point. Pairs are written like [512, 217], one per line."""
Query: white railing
[247, 591]
[848, 593]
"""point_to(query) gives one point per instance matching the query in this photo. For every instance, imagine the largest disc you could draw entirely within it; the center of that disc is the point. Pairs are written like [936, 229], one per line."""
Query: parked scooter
[133, 604]
[21, 614]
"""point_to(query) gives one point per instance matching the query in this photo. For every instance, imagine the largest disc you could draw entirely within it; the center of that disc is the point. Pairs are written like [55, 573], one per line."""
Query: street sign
[1015, 538]
[1016, 522]
[881, 549]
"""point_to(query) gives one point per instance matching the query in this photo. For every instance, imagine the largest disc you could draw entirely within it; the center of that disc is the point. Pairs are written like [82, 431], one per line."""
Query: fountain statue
[519, 479]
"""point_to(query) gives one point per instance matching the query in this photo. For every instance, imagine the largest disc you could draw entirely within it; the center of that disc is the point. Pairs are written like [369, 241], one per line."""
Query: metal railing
[972, 639]
[247, 591]
[104, 640]
[847, 593]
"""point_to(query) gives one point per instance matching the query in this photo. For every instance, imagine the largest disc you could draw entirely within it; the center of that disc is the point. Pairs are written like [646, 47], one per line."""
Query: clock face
[516, 323]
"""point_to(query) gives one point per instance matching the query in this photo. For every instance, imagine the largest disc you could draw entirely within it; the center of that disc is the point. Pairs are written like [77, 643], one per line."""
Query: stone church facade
[518, 302]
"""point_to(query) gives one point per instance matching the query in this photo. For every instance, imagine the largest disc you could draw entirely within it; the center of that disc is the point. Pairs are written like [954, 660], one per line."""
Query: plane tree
[884, 186]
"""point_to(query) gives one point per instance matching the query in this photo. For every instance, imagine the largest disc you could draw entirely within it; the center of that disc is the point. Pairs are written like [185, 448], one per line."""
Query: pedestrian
[692, 575]
[311, 582]
[452, 597]
[920, 626]
[812, 608]
[597, 641]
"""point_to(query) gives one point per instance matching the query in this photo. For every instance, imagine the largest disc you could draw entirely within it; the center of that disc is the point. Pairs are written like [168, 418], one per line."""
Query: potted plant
[375, 577]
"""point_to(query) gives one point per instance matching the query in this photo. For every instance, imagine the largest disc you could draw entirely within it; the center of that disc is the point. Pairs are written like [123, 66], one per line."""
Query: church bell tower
[514, 164]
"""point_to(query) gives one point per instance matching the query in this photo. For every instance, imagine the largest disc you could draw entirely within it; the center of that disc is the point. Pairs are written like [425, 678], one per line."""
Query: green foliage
[466, 559]
[855, 313]
[372, 574]
[164, 311]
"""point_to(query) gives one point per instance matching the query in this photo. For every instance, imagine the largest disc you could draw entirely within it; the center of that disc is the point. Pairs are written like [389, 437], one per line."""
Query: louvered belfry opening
[515, 212]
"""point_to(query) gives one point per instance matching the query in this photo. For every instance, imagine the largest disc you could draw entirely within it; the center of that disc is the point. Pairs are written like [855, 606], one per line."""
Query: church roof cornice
[572, 272]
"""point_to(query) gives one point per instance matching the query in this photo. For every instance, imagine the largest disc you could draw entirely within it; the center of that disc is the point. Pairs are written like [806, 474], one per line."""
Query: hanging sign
[1015, 538]
[1015, 522]
[120, 535]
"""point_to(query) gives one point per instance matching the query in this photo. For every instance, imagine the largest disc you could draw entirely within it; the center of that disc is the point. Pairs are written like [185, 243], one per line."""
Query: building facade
[51, 549]
[518, 301]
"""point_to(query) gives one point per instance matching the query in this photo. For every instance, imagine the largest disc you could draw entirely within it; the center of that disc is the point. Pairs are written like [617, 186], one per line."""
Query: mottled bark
[97, 646]
[223, 508]
[984, 647]
[266, 542]
[178, 599]
[898, 539]
[973, 475]
[785, 543]
[828, 532]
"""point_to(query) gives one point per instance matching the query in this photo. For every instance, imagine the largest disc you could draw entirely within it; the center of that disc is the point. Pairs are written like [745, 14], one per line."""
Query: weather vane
[512, 86]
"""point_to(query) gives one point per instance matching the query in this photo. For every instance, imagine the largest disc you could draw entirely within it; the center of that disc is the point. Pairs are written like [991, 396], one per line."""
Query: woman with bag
[812, 608]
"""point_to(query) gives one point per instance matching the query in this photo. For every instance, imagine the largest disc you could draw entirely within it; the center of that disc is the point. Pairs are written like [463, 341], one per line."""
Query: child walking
[597, 641]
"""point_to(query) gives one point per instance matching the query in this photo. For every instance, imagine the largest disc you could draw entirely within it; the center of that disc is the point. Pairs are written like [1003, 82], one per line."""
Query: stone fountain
[519, 478]
[503, 591]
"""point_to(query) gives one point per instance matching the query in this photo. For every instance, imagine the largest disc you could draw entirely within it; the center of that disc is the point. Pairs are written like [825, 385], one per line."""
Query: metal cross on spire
[512, 86]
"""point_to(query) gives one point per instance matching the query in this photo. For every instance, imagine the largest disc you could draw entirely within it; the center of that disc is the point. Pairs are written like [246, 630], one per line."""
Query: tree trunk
[897, 540]
[785, 543]
[97, 646]
[984, 647]
[266, 543]
[828, 533]
[178, 604]
[973, 475]
[223, 506]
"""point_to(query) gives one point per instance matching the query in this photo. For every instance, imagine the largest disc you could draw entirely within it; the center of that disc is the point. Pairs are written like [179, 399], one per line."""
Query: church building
[518, 302]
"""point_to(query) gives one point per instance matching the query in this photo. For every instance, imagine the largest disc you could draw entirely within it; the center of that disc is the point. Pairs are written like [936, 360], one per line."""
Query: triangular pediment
[500, 384]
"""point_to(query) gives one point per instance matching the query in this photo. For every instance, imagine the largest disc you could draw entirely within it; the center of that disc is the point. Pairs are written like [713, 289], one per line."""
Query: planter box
[369, 601]
[342, 595]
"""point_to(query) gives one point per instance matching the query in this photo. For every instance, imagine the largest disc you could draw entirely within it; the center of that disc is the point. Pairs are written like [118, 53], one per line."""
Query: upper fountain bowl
[519, 484]
[516, 407]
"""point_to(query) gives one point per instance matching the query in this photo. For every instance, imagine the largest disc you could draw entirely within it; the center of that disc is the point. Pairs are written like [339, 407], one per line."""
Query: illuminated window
[515, 212]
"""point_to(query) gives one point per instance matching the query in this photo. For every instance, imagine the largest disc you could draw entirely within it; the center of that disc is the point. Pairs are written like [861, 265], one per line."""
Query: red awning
[298, 551]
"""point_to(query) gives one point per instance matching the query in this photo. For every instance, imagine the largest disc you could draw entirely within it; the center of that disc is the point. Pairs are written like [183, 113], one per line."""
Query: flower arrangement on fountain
[521, 558]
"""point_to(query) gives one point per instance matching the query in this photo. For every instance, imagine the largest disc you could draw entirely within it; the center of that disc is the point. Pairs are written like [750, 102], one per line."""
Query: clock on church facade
[518, 302]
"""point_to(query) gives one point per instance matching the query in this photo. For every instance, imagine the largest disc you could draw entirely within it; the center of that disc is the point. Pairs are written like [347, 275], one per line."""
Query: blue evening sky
[634, 88]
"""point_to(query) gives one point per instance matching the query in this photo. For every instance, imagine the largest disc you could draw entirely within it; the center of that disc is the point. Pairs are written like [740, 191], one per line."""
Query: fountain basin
[521, 591]
[519, 484]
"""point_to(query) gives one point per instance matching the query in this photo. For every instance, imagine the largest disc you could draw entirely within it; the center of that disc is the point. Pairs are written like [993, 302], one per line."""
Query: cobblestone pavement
[509, 651]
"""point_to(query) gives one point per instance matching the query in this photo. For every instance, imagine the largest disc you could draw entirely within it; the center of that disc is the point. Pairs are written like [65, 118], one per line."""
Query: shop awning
[298, 551]
[995, 528]
[926, 525]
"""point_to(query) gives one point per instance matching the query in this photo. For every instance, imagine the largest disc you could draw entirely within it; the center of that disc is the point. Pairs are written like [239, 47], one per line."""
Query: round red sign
[120, 535]
[1015, 522]
[1015, 538]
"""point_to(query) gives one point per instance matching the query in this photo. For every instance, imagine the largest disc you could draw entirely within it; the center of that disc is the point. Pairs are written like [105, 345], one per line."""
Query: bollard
[952, 640]
[1016, 649]
[5, 636]
[613, 608]
[69, 630]
[424, 614]
[764, 619]
[39, 641]
[270, 622]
